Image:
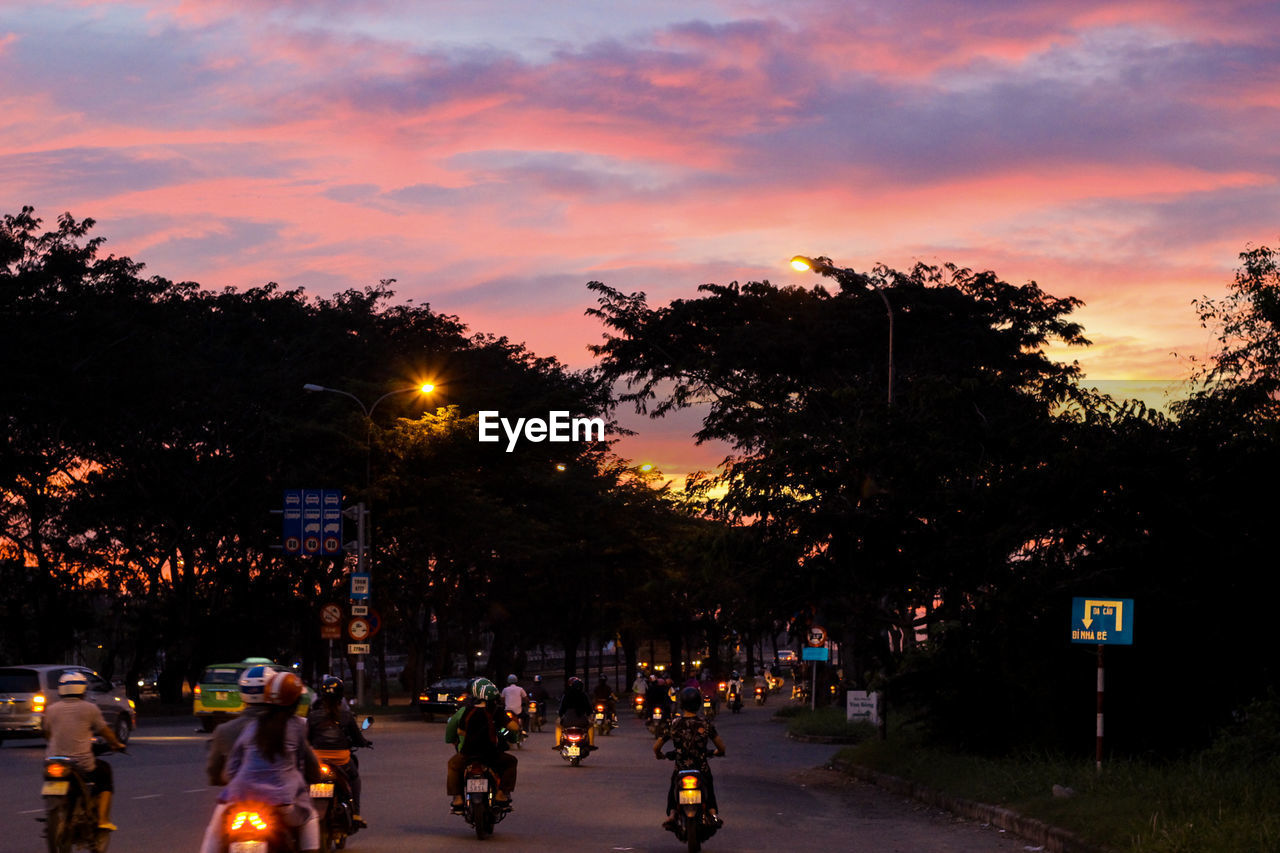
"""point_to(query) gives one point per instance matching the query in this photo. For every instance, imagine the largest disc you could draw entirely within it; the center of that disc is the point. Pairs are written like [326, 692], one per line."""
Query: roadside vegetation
[1224, 799]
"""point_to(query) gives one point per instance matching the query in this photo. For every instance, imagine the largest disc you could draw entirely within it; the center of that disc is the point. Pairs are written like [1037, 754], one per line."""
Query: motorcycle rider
[538, 693]
[332, 731]
[656, 697]
[640, 685]
[481, 730]
[516, 700]
[736, 686]
[689, 734]
[575, 710]
[269, 757]
[70, 726]
[603, 693]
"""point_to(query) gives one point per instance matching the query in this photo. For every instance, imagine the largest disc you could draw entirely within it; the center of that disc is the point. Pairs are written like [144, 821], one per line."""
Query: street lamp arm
[311, 386]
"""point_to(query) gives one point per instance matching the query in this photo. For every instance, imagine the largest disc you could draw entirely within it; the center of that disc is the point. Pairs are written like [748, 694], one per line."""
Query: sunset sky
[493, 156]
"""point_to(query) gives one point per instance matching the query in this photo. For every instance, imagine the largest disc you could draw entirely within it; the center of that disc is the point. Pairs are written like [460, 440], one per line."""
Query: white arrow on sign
[1089, 604]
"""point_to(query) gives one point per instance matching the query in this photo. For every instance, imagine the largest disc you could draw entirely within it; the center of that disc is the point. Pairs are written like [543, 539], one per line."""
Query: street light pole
[364, 520]
[823, 266]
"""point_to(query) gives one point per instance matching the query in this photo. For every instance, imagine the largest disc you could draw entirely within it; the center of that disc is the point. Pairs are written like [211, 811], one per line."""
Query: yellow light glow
[427, 388]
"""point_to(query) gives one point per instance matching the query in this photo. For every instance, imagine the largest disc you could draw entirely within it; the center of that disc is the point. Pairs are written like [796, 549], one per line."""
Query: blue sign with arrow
[1102, 621]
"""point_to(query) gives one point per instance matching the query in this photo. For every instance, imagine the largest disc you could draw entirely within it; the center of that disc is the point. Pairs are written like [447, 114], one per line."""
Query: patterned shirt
[690, 737]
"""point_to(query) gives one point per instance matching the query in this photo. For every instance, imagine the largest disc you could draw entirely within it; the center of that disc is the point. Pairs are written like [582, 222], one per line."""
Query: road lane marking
[148, 796]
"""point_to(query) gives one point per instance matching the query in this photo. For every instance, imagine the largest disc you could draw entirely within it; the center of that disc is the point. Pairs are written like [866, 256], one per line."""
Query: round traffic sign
[292, 543]
[330, 614]
[332, 545]
[311, 544]
[817, 636]
[359, 629]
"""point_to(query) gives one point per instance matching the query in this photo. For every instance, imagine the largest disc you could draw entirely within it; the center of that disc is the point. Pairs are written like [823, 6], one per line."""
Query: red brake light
[57, 770]
[689, 783]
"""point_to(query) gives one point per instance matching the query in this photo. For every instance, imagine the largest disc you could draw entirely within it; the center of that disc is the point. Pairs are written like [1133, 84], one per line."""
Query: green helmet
[483, 690]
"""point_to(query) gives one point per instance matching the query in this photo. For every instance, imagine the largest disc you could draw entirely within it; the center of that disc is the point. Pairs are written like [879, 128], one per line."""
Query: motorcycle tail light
[57, 770]
[600, 709]
[325, 770]
[723, 686]
[574, 737]
[533, 707]
[689, 783]
[248, 819]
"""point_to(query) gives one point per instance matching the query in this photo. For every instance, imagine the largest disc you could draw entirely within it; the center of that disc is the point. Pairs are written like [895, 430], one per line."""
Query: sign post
[1107, 622]
[815, 650]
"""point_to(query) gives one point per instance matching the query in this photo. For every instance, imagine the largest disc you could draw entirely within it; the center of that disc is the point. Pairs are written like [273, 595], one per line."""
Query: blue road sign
[820, 653]
[1104, 621]
[312, 521]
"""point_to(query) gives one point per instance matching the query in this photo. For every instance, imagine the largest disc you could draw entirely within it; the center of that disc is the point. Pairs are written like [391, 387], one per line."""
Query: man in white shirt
[516, 701]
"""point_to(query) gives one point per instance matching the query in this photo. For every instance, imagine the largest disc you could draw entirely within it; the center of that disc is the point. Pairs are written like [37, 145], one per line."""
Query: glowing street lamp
[823, 266]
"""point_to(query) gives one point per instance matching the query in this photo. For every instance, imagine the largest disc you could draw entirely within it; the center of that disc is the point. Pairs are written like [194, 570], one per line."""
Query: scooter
[574, 745]
[693, 823]
[255, 827]
[536, 716]
[71, 806]
[480, 809]
[637, 705]
[761, 694]
[656, 720]
[735, 701]
[602, 719]
[331, 797]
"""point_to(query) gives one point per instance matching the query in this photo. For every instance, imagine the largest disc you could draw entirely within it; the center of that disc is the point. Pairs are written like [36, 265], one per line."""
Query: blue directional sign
[1102, 621]
[811, 653]
[312, 521]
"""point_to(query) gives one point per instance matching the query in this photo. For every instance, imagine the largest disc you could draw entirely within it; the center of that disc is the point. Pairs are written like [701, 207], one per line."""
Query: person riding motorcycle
[603, 693]
[736, 687]
[689, 734]
[656, 697]
[70, 726]
[332, 731]
[270, 761]
[538, 693]
[575, 711]
[481, 731]
[516, 700]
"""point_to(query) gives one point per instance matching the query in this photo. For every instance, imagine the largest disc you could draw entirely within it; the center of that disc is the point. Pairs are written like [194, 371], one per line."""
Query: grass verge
[825, 722]
[1198, 804]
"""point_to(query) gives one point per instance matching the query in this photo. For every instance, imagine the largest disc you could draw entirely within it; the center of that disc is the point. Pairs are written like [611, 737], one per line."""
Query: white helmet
[253, 684]
[72, 683]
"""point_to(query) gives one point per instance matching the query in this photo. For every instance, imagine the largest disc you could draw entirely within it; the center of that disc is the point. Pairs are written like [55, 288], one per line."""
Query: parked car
[217, 695]
[28, 689]
[443, 696]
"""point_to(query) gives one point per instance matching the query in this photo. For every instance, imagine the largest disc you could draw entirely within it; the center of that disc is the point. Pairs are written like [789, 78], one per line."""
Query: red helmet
[284, 688]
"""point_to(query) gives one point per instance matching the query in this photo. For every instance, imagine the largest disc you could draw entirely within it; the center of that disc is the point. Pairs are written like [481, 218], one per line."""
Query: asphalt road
[774, 796]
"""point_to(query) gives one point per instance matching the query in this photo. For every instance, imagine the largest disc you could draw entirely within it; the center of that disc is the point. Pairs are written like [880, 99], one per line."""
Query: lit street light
[363, 562]
[823, 266]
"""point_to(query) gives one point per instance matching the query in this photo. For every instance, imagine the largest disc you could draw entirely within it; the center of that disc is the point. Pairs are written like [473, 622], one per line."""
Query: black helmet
[691, 699]
[575, 683]
[331, 686]
[734, 674]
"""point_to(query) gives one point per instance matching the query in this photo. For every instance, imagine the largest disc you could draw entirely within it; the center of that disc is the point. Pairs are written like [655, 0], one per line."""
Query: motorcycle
[761, 694]
[708, 708]
[574, 745]
[331, 797]
[253, 827]
[71, 806]
[536, 715]
[693, 823]
[735, 700]
[602, 719]
[656, 721]
[637, 705]
[480, 809]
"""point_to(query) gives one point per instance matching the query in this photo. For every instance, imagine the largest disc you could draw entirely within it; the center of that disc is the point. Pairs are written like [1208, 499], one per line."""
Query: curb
[1053, 839]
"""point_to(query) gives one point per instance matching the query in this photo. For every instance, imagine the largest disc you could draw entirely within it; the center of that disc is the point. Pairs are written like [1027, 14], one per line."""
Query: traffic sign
[359, 629]
[1102, 621]
[818, 653]
[330, 614]
[358, 649]
[817, 636]
[360, 587]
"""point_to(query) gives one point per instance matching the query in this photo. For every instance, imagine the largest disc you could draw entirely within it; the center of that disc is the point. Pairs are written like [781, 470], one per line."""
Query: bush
[829, 722]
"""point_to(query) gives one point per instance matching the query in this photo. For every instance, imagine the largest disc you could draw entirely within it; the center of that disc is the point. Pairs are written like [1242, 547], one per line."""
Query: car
[787, 656]
[217, 695]
[26, 690]
[443, 696]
